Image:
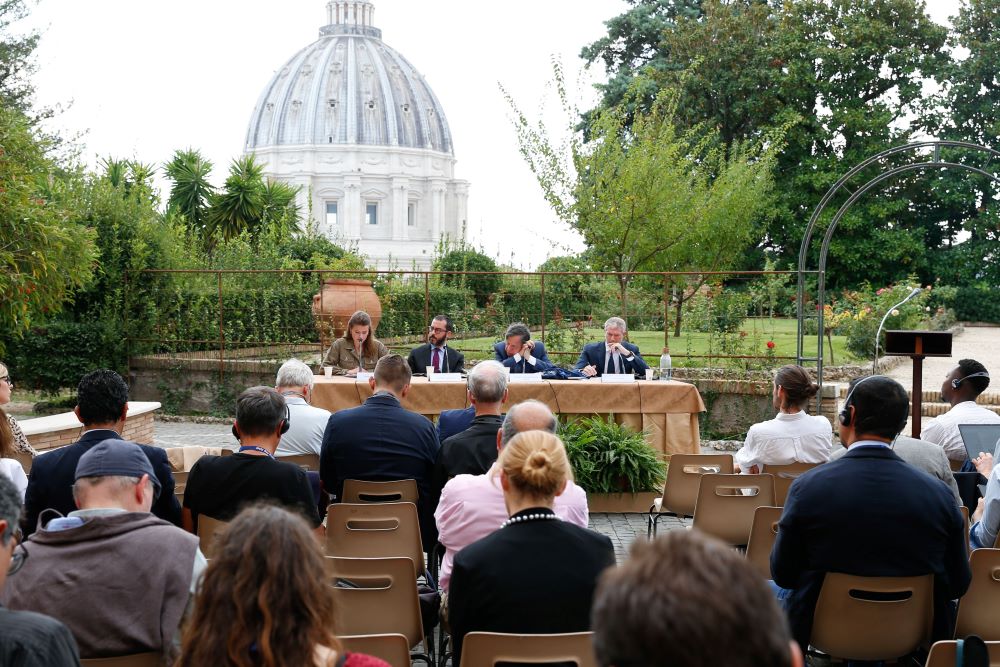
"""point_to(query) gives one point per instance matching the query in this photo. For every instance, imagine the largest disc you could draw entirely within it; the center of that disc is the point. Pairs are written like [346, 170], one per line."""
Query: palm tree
[191, 190]
[281, 214]
[239, 207]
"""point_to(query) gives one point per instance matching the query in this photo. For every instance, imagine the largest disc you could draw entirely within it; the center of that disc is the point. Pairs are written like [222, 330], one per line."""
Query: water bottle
[666, 368]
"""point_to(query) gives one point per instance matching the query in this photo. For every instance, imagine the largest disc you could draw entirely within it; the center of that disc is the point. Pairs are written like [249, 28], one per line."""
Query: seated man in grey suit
[613, 355]
[521, 354]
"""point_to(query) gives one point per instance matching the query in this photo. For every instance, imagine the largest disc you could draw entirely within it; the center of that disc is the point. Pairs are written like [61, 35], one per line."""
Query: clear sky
[142, 78]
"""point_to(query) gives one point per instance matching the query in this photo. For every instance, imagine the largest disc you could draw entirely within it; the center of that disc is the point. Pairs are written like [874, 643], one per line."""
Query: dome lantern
[350, 17]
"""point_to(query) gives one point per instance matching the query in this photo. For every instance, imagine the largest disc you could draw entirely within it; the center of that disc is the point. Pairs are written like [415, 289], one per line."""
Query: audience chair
[680, 490]
[784, 475]
[485, 649]
[376, 596]
[872, 618]
[979, 608]
[396, 491]
[375, 530]
[763, 532]
[208, 530]
[944, 654]
[134, 660]
[393, 648]
[725, 511]
[304, 461]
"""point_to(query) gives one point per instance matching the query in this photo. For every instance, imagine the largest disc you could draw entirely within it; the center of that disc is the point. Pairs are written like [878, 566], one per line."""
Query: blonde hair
[535, 463]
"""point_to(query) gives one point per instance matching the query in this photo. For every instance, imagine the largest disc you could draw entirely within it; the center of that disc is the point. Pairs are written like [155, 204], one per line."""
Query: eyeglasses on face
[17, 559]
[438, 330]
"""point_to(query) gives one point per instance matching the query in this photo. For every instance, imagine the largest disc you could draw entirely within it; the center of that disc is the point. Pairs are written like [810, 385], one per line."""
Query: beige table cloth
[666, 411]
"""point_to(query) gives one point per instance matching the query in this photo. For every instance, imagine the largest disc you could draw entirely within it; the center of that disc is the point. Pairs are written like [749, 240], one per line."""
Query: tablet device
[979, 438]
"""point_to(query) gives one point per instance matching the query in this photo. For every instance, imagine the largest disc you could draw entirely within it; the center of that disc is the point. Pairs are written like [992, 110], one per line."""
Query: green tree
[16, 58]
[248, 203]
[483, 282]
[190, 190]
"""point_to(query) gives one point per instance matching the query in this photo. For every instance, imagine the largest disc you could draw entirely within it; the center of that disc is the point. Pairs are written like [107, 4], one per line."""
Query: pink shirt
[471, 507]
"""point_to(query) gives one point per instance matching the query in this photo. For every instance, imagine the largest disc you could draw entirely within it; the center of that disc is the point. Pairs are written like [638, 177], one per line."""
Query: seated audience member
[380, 440]
[869, 514]
[117, 576]
[101, 406]
[452, 422]
[265, 601]
[9, 466]
[27, 639]
[306, 423]
[21, 444]
[357, 349]
[537, 573]
[961, 387]
[688, 600]
[436, 352]
[220, 486]
[472, 506]
[474, 450]
[794, 436]
[613, 355]
[986, 517]
[521, 354]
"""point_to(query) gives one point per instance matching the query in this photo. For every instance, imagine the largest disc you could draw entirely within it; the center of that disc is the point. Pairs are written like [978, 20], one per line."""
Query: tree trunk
[677, 317]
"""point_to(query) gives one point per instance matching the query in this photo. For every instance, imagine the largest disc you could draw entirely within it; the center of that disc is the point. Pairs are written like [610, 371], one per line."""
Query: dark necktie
[437, 360]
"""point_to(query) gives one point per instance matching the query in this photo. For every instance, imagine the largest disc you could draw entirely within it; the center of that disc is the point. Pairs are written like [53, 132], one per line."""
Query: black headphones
[285, 424]
[845, 413]
[956, 383]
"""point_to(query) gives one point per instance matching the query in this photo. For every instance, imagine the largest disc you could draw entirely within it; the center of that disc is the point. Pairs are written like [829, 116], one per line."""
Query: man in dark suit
[614, 355]
[381, 441]
[436, 352]
[521, 354]
[101, 405]
[451, 422]
[869, 514]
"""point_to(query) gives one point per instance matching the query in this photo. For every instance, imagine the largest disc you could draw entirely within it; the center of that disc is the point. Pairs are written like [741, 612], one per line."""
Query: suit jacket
[541, 358]
[380, 441]
[50, 484]
[869, 514]
[517, 579]
[471, 452]
[594, 355]
[420, 359]
[451, 422]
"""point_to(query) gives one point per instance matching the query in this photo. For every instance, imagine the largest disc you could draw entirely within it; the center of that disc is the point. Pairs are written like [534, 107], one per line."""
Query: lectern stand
[917, 345]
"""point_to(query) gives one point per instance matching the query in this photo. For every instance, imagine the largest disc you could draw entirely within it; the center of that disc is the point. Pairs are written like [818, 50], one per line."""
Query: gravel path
[979, 343]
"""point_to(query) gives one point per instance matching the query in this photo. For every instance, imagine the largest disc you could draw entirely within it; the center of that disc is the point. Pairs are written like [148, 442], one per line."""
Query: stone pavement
[979, 343]
[623, 529]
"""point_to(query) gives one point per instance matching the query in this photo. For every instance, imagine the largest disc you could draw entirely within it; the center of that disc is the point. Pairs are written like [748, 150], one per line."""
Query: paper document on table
[445, 377]
[618, 378]
[525, 377]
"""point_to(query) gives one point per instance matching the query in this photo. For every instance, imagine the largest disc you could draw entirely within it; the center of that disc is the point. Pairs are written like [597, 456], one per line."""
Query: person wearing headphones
[869, 514]
[963, 384]
[220, 486]
[435, 352]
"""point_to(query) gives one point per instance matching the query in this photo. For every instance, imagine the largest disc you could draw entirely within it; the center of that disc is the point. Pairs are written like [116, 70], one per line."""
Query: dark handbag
[971, 652]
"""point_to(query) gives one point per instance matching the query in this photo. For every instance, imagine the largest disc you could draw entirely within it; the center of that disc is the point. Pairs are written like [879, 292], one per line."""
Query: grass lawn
[759, 332]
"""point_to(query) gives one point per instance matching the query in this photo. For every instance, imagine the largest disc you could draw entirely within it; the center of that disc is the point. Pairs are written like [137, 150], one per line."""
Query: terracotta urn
[339, 298]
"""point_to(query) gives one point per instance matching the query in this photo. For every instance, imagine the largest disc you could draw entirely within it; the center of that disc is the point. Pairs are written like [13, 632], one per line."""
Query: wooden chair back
[763, 532]
[393, 648]
[680, 490]
[485, 649]
[305, 461]
[853, 614]
[374, 530]
[396, 491]
[134, 660]
[784, 475]
[944, 654]
[208, 530]
[375, 596]
[979, 608]
[724, 511]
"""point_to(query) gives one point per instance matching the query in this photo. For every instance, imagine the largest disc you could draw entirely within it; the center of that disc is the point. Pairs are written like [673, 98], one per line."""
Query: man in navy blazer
[521, 354]
[435, 352]
[382, 441]
[870, 514]
[101, 405]
[613, 355]
[452, 422]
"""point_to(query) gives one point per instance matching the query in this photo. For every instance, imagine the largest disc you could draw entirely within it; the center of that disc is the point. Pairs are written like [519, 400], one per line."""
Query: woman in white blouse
[793, 435]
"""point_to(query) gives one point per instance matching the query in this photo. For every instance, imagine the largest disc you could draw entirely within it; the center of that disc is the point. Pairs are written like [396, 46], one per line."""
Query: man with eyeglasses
[27, 639]
[435, 353]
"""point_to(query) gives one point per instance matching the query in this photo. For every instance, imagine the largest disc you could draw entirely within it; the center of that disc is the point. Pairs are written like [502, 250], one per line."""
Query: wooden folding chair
[944, 654]
[305, 461]
[396, 491]
[134, 660]
[680, 490]
[784, 475]
[872, 618]
[979, 608]
[485, 649]
[374, 530]
[724, 511]
[208, 531]
[763, 532]
[393, 648]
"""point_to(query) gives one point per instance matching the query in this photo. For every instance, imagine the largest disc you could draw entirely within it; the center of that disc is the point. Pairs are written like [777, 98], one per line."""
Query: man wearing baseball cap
[116, 575]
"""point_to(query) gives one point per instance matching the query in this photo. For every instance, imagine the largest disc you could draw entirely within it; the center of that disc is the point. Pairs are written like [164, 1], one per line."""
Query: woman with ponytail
[536, 574]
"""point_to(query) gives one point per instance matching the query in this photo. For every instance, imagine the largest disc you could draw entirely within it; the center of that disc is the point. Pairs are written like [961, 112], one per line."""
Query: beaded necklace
[529, 517]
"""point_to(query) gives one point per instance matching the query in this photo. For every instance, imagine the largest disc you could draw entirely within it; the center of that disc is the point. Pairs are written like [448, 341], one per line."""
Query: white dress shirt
[788, 438]
[305, 428]
[943, 430]
[12, 469]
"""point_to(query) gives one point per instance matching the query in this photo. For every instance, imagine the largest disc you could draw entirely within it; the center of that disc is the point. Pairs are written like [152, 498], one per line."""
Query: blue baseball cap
[116, 458]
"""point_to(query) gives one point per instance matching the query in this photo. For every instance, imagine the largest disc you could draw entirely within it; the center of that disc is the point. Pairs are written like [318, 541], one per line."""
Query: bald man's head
[531, 415]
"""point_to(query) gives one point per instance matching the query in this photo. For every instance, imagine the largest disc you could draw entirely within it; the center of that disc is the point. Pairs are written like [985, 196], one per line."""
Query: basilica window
[371, 213]
[411, 214]
[331, 214]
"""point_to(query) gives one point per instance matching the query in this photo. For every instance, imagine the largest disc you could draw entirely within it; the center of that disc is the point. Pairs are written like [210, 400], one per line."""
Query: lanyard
[257, 449]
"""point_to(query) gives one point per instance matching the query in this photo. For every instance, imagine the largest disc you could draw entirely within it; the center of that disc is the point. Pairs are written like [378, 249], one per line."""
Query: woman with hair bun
[793, 436]
[536, 574]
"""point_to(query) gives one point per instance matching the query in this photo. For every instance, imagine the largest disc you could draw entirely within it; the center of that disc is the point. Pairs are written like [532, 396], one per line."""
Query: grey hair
[10, 508]
[510, 428]
[120, 483]
[616, 323]
[518, 329]
[487, 381]
[294, 373]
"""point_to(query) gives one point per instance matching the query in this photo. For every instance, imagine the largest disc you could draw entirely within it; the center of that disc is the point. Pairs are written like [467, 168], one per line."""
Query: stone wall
[186, 386]
[733, 406]
[46, 433]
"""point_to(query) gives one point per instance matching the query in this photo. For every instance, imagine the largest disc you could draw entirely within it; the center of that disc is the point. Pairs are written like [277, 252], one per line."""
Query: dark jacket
[530, 577]
[380, 441]
[594, 355]
[50, 484]
[420, 358]
[470, 452]
[452, 422]
[541, 358]
[869, 514]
